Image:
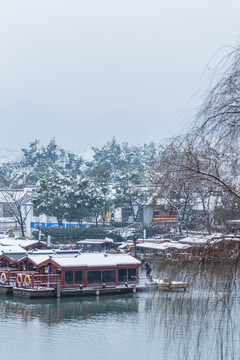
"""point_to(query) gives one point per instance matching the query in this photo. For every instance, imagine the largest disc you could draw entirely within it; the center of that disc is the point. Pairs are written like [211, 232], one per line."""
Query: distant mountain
[7, 155]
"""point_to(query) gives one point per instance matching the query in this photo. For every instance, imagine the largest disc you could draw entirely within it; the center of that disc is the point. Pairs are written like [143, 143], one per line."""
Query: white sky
[85, 71]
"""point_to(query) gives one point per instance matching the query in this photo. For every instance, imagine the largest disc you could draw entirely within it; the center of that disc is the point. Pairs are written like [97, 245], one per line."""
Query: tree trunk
[21, 221]
[22, 230]
[59, 220]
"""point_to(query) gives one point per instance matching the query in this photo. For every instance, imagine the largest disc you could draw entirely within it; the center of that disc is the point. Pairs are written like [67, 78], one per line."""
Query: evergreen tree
[51, 196]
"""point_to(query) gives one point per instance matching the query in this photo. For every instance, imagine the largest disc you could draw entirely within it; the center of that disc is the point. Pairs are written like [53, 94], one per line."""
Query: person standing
[148, 269]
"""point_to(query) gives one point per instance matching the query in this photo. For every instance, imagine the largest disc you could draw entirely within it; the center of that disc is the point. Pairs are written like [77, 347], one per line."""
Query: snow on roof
[39, 258]
[96, 260]
[195, 240]
[123, 245]
[12, 249]
[155, 240]
[208, 239]
[163, 246]
[64, 253]
[20, 242]
[37, 252]
[95, 241]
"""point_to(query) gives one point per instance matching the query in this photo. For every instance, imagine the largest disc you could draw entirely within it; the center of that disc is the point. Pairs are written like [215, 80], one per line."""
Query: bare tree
[219, 116]
[194, 172]
[18, 202]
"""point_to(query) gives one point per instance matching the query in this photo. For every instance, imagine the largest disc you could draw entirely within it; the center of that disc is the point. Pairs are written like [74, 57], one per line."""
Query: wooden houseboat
[164, 251]
[214, 246]
[95, 245]
[82, 274]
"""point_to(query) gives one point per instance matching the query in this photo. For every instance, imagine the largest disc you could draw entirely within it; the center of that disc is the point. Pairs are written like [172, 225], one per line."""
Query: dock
[55, 290]
[169, 285]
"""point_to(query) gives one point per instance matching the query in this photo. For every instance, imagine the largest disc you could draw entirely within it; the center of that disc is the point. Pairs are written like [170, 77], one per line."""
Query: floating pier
[168, 284]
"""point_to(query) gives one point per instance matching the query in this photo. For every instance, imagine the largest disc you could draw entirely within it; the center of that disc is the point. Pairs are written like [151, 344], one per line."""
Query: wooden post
[58, 290]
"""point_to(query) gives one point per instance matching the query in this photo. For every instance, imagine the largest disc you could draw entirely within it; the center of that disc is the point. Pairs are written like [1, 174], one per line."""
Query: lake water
[192, 325]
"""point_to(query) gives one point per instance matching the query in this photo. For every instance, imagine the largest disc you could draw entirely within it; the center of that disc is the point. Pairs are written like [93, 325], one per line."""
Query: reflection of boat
[50, 310]
[168, 284]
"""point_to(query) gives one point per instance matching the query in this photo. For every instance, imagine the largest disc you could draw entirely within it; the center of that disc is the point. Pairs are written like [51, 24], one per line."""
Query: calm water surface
[136, 326]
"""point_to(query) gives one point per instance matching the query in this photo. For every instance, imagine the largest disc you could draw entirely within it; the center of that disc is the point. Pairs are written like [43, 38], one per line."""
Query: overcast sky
[85, 71]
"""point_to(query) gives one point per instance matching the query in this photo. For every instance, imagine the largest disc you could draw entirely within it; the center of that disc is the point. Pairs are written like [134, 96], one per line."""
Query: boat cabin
[95, 245]
[164, 251]
[9, 255]
[95, 269]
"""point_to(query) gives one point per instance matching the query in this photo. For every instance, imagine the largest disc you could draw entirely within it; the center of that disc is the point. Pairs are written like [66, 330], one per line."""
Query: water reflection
[53, 311]
[199, 324]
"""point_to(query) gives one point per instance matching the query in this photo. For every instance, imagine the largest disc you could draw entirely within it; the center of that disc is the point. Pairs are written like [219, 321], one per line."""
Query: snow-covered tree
[100, 194]
[36, 161]
[79, 198]
[133, 192]
[115, 157]
[51, 196]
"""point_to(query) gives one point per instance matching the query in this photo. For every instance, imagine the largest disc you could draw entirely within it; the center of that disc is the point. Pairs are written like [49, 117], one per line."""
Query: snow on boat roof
[95, 241]
[163, 246]
[38, 259]
[12, 249]
[208, 239]
[20, 242]
[40, 252]
[124, 245]
[155, 240]
[96, 260]
[195, 240]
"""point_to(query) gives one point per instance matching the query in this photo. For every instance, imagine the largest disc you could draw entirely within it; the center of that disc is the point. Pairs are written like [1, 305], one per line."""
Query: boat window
[94, 277]
[80, 246]
[132, 273]
[149, 252]
[88, 247]
[140, 251]
[78, 277]
[109, 276]
[159, 253]
[95, 248]
[68, 277]
[122, 275]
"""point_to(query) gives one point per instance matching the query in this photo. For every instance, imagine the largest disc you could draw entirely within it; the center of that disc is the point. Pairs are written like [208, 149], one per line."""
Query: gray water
[192, 325]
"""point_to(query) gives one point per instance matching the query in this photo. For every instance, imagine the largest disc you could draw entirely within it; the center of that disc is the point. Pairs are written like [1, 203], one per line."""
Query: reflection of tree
[203, 320]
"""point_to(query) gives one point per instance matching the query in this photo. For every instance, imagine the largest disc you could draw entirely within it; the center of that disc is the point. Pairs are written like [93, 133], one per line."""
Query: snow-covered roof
[208, 239]
[163, 246]
[14, 242]
[64, 253]
[95, 241]
[12, 249]
[37, 252]
[124, 245]
[195, 240]
[155, 240]
[96, 260]
[39, 258]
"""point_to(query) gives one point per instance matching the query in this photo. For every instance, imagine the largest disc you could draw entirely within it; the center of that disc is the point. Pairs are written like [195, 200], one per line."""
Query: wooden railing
[28, 279]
